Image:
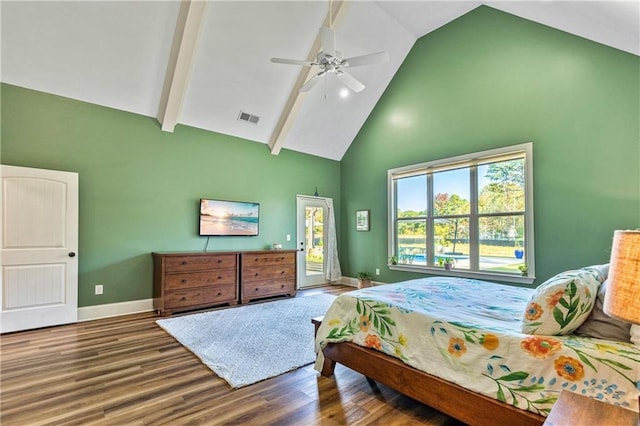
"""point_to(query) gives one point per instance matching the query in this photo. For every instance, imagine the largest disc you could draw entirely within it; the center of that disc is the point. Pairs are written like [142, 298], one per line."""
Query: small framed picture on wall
[362, 220]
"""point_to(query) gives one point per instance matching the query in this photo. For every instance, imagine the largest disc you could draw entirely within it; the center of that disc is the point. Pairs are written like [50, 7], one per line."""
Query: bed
[458, 345]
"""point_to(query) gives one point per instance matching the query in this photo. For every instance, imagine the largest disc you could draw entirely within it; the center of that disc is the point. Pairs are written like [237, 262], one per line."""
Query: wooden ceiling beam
[294, 102]
[183, 51]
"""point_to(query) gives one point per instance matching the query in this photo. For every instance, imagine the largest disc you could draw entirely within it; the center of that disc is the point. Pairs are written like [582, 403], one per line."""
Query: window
[473, 211]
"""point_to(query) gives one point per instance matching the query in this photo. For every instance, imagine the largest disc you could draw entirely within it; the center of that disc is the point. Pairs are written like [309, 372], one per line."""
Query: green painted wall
[140, 187]
[486, 80]
[490, 79]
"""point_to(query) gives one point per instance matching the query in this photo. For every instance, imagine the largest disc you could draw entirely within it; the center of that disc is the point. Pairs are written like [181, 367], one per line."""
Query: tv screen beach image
[228, 218]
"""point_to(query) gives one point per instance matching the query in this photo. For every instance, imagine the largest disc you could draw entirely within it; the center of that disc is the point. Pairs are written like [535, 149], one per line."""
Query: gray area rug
[247, 344]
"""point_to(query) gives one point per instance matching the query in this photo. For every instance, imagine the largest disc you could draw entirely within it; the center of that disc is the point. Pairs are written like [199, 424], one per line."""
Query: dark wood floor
[128, 371]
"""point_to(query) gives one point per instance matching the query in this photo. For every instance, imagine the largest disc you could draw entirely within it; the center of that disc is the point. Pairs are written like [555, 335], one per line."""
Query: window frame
[524, 150]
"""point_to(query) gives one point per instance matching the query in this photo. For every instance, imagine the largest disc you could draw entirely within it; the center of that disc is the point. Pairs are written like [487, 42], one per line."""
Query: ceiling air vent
[248, 118]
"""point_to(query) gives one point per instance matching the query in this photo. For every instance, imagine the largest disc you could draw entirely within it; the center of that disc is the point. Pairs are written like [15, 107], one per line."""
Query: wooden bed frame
[449, 398]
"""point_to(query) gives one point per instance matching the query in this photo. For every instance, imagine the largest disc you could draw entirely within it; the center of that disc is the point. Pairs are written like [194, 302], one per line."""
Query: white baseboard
[89, 313]
[353, 282]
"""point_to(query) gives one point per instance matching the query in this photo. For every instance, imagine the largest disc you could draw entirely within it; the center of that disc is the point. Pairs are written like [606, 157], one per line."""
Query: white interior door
[312, 237]
[39, 259]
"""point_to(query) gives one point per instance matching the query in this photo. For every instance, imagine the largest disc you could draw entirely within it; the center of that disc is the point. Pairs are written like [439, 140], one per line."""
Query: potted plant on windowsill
[446, 262]
[523, 270]
[364, 279]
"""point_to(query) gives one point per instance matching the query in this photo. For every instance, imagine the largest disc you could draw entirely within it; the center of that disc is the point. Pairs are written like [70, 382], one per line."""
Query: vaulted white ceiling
[116, 54]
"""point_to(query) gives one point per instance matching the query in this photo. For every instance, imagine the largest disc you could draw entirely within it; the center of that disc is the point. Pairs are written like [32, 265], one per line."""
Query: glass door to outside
[312, 213]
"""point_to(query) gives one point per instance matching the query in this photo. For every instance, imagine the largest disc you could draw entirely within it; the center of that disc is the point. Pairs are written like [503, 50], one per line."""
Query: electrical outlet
[288, 237]
[377, 271]
[99, 289]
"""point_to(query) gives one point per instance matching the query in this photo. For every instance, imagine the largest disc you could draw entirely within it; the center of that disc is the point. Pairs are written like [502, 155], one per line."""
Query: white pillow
[601, 271]
[635, 334]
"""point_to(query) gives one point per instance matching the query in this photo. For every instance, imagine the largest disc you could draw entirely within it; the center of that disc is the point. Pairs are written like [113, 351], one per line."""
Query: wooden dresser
[185, 281]
[267, 273]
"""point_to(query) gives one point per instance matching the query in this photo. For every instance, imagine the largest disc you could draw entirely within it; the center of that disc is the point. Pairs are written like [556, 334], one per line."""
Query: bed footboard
[447, 397]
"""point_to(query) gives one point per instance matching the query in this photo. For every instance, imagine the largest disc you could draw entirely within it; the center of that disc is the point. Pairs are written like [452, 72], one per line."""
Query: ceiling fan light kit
[329, 60]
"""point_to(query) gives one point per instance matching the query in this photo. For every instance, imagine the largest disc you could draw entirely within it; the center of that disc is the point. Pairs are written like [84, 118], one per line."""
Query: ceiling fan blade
[328, 41]
[371, 58]
[350, 81]
[310, 83]
[291, 62]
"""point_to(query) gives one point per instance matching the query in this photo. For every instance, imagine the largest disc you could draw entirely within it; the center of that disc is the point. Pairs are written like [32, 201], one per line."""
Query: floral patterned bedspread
[468, 332]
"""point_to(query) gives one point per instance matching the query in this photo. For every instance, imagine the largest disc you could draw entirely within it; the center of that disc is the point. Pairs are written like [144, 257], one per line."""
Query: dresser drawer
[265, 259]
[268, 273]
[199, 279]
[257, 291]
[201, 296]
[199, 262]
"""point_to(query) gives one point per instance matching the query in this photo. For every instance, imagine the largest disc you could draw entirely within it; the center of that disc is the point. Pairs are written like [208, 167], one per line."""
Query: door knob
[72, 254]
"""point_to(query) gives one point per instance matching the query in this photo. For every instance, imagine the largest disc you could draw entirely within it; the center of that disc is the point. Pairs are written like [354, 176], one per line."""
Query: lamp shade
[622, 299]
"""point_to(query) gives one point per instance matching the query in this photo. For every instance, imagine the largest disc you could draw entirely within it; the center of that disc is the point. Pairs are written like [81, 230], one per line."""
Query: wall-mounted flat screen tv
[223, 218]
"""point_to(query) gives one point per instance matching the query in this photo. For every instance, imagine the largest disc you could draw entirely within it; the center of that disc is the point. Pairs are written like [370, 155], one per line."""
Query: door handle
[72, 254]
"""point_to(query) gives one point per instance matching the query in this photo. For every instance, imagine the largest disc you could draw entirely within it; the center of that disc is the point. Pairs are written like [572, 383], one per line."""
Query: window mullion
[474, 246]
[430, 232]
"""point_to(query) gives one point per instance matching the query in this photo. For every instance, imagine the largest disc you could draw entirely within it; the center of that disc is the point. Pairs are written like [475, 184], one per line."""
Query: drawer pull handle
[256, 274]
[282, 272]
[184, 281]
[257, 289]
[183, 298]
[184, 262]
[219, 294]
[282, 286]
[219, 277]
[219, 260]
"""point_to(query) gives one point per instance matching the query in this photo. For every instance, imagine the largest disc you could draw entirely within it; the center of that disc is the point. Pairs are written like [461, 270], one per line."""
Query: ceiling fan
[329, 60]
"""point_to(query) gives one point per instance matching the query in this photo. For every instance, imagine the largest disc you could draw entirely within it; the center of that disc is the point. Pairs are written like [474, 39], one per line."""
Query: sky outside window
[412, 191]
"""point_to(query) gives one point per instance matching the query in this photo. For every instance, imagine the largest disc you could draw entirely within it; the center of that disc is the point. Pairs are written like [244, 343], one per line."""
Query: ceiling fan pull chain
[325, 80]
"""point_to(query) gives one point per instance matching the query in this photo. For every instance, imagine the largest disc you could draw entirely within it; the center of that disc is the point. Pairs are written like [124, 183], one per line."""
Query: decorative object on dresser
[184, 281]
[267, 274]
